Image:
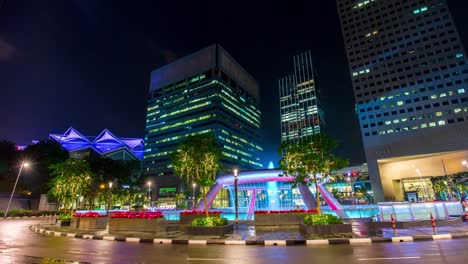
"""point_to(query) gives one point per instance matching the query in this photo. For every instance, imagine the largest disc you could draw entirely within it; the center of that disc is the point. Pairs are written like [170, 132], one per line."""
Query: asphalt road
[20, 245]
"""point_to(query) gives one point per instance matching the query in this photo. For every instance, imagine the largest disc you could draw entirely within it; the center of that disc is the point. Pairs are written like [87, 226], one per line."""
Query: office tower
[301, 115]
[410, 77]
[205, 92]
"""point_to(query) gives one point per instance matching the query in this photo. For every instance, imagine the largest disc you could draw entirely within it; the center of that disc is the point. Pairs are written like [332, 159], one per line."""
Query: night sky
[87, 64]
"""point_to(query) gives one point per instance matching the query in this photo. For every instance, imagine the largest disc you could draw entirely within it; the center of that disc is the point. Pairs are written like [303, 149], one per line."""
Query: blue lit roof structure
[104, 144]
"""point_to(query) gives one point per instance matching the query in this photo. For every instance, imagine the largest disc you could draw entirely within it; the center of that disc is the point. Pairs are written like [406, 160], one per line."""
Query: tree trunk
[204, 201]
[317, 195]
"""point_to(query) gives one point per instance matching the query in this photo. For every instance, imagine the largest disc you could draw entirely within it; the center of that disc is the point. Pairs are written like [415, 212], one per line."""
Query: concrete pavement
[19, 245]
[251, 235]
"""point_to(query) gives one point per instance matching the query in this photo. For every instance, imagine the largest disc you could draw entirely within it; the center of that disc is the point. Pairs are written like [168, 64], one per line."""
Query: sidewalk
[250, 235]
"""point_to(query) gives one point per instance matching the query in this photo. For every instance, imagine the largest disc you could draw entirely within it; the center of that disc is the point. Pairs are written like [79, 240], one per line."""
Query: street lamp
[108, 198]
[465, 163]
[149, 194]
[23, 164]
[235, 196]
[193, 190]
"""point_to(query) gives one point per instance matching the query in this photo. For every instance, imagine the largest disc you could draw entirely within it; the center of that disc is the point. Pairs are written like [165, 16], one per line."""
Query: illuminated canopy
[104, 144]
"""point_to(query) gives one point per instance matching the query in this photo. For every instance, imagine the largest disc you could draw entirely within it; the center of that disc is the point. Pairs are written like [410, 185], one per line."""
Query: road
[19, 245]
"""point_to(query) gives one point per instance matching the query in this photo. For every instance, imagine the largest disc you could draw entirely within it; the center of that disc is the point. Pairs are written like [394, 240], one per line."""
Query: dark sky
[87, 63]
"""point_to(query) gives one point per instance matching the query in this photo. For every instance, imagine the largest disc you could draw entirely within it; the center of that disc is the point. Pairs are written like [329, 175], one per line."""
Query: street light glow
[110, 185]
[235, 172]
[149, 184]
[25, 164]
[194, 184]
[464, 163]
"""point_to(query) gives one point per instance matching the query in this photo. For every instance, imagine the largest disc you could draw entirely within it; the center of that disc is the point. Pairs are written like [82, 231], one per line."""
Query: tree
[42, 155]
[72, 178]
[306, 159]
[9, 157]
[197, 160]
[119, 172]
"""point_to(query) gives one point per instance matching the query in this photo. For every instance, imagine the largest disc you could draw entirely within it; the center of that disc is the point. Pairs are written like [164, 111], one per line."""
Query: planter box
[137, 225]
[61, 223]
[279, 219]
[92, 223]
[75, 222]
[325, 229]
[211, 231]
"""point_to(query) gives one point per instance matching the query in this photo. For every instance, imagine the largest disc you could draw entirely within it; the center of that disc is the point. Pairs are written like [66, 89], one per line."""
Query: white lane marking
[85, 253]
[212, 259]
[391, 258]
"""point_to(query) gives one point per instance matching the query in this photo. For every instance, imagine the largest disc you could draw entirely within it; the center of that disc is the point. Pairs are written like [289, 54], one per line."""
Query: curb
[314, 242]
[23, 217]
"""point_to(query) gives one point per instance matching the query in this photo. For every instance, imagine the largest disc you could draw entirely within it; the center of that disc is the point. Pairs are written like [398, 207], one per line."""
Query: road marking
[197, 242]
[162, 241]
[394, 258]
[360, 241]
[213, 259]
[317, 242]
[85, 253]
[275, 242]
[234, 242]
[442, 236]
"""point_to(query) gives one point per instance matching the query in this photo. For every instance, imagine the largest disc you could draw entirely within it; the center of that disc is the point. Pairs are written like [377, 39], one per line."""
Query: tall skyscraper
[206, 92]
[410, 77]
[301, 114]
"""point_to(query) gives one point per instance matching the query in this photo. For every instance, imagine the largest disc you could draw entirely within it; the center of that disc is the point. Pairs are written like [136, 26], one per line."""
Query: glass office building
[205, 92]
[301, 114]
[410, 77]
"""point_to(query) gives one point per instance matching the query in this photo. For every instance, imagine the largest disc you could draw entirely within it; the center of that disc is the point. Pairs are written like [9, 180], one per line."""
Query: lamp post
[23, 164]
[108, 198]
[236, 204]
[193, 190]
[149, 195]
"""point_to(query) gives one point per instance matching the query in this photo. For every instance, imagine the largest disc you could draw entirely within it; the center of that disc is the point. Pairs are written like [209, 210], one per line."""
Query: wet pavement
[19, 245]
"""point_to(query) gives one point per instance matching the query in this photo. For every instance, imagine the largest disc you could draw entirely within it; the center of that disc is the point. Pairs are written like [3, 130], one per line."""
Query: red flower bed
[285, 211]
[89, 214]
[138, 215]
[195, 212]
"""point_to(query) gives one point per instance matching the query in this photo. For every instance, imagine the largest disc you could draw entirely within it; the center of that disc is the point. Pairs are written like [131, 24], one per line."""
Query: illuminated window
[432, 124]
[438, 113]
[441, 122]
[423, 125]
[460, 91]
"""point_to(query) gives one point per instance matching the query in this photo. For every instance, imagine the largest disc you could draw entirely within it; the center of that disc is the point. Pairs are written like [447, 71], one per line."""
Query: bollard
[394, 226]
[433, 224]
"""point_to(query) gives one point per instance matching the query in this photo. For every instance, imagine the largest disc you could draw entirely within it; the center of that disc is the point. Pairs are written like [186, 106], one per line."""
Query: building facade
[301, 114]
[205, 92]
[410, 78]
[105, 144]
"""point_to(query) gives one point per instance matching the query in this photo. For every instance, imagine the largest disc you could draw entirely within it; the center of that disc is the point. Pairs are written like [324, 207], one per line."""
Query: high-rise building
[205, 92]
[410, 78]
[301, 114]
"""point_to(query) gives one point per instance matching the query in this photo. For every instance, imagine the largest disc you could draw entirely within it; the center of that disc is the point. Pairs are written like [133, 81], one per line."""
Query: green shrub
[324, 219]
[210, 221]
[2, 213]
[65, 217]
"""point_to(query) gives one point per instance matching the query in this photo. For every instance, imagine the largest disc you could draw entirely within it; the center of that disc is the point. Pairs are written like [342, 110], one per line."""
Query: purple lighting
[104, 144]
[268, 176]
